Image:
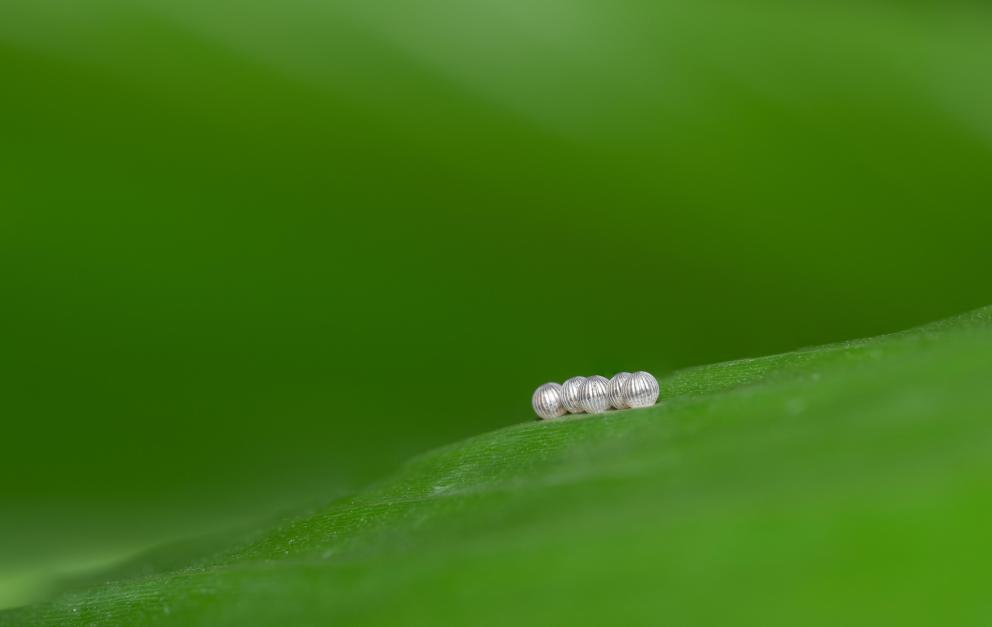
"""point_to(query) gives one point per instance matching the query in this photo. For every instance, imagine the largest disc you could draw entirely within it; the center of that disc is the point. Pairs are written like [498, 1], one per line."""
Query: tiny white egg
[570, 395]
[615, 390]
[593, 395]
[641, 390]
[547, 401]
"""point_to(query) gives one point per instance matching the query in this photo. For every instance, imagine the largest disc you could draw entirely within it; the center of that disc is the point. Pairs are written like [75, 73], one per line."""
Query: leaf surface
[845, 484]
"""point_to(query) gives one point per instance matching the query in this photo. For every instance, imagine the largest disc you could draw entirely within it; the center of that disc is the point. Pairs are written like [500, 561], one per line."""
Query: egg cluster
[595, 394]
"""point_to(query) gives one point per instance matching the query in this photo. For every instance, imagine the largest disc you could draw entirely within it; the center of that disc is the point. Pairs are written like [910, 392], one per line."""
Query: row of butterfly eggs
[595, 394]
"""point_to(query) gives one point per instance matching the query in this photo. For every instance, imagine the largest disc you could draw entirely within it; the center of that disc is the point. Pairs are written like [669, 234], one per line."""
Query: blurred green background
[255, 254]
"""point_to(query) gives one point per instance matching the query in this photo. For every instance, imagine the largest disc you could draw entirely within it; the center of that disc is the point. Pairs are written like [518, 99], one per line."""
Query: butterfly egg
[547, 401]
[641, 390]
[614, 390]
[570, 395]
[593, 396]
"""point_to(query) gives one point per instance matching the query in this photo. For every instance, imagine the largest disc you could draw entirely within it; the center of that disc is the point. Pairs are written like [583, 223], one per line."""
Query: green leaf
[849, 484]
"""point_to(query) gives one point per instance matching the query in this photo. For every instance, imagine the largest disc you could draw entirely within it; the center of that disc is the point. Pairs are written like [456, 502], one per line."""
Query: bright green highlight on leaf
[849, 484]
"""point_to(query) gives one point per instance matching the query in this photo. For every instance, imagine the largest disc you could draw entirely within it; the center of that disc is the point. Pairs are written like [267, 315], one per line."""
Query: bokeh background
[256, 254]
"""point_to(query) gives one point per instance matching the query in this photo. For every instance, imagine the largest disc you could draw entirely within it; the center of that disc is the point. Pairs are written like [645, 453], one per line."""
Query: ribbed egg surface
[594, 395]
[570, 395]
[614, 390]
[547, 401]
[641, 390]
